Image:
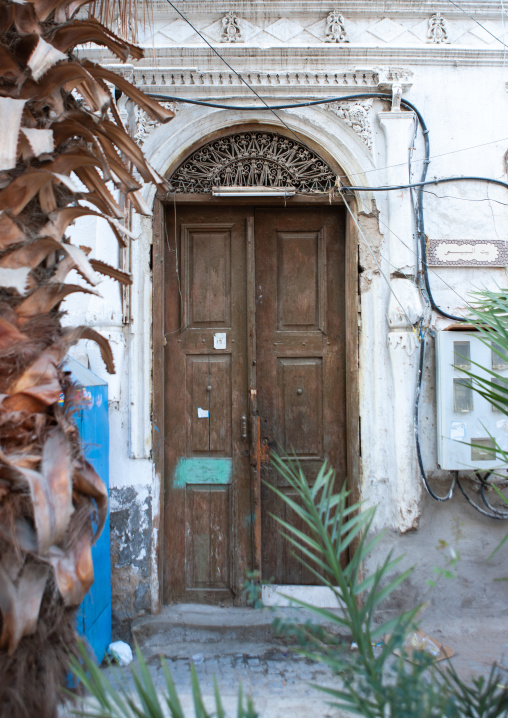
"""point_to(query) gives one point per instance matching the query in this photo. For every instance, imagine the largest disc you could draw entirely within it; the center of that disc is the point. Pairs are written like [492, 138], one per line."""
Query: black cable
[310, 103]
[420, 223]
[489, 514]
[420, 226]
[484, 484]
[417, 429]
[287, 106]
[420, 231]
[423, 184]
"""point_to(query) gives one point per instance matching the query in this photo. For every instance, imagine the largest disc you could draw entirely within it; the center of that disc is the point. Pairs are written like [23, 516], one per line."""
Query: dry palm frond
[125, 15]
[57, 119]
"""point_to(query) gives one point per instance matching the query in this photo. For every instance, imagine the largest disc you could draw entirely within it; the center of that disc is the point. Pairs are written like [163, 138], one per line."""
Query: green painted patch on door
[202, 471]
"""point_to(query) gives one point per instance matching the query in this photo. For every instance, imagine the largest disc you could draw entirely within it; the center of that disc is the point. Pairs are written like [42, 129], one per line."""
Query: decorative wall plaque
[336, 28]
[253, 159]
[467, 253]
[231, 31]
[437, 31]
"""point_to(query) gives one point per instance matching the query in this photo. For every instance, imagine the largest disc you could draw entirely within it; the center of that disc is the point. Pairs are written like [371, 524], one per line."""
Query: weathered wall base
[131, 519]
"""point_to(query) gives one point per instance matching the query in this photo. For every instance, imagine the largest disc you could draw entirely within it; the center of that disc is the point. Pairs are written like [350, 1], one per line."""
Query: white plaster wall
[459, 88]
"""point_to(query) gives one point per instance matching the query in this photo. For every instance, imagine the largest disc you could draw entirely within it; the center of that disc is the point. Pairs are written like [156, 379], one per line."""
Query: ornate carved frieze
[148, 78]
[231, 31]
[176, 81]
[336, 28]
[357, 116]
[145, 125]
[438, 30]
[251, 159]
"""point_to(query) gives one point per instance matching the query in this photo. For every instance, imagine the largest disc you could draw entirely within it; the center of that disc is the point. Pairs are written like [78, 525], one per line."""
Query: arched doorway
[255, 310]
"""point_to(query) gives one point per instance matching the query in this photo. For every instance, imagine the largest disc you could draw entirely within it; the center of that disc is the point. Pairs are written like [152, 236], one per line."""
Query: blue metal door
[94, 615]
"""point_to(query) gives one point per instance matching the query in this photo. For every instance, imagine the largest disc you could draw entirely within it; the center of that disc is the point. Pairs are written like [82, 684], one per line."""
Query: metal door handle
[243, 427]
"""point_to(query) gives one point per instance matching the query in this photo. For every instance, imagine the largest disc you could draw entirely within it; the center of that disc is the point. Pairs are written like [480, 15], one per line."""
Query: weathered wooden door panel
[208, 389]
[274, 336]
[207, 483]
[300, 329]
[207, 544]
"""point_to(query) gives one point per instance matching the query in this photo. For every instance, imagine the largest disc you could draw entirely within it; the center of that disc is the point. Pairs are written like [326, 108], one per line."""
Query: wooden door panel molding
[207, 482]
[207, 533]
[301, 336]
[206, 260]
[208, 381]
[301, 281]
[300, 385]
[220, 406]
[271, 280]
[294, 572]
[202, 340]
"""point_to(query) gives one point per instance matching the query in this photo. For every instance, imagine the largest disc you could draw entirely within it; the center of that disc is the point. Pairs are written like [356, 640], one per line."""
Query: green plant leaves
[142, 699]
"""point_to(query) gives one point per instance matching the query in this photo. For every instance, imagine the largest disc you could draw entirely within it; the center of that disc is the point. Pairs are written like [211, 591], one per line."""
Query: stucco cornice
[312, 57]
[484, 8]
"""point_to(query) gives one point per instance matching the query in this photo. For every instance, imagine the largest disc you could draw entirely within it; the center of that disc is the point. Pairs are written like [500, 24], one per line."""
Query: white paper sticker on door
[219, 341]
[203, 413]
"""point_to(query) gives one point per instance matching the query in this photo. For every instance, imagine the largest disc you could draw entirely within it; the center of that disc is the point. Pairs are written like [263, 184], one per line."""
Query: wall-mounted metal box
[94, 615]
[465, 420]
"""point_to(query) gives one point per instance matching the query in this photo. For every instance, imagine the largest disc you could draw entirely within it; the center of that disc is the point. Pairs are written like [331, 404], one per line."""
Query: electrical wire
[423, 473]
[483, 486]
[185, 19]
[488, 514]
[420, 220]
[477, 22]
[296, 105]
[419, 204]
[177, 268]
[466, 199]
[425, 183]
[407, 246]
[419, 213]
[426, 162]
[414, 198]
[377, 263]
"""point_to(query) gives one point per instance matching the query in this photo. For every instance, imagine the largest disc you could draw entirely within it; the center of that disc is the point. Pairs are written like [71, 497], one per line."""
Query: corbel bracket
[395, 81]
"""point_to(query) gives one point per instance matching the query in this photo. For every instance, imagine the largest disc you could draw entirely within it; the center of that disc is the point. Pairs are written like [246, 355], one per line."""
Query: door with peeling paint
[207, 517]
[254, 360]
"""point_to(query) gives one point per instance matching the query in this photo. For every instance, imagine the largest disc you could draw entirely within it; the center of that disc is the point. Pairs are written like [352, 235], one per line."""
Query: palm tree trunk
[57, 119]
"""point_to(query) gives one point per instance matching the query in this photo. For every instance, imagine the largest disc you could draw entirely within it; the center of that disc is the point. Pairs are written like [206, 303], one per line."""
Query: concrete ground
[238, 646]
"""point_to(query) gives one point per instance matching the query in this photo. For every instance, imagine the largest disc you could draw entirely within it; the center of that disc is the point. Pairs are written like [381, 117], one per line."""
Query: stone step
[186, 630]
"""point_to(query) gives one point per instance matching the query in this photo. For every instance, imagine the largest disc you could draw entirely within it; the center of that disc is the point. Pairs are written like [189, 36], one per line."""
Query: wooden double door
[254, 361]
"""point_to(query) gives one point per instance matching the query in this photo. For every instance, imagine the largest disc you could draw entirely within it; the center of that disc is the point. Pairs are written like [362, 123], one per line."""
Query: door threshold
[279, 595]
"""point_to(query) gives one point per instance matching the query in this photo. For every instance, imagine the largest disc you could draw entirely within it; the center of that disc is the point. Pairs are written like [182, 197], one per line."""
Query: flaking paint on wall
[131, 517]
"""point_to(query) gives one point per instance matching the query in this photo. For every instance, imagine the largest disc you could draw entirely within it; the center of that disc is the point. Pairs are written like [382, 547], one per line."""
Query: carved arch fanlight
[253, 159]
